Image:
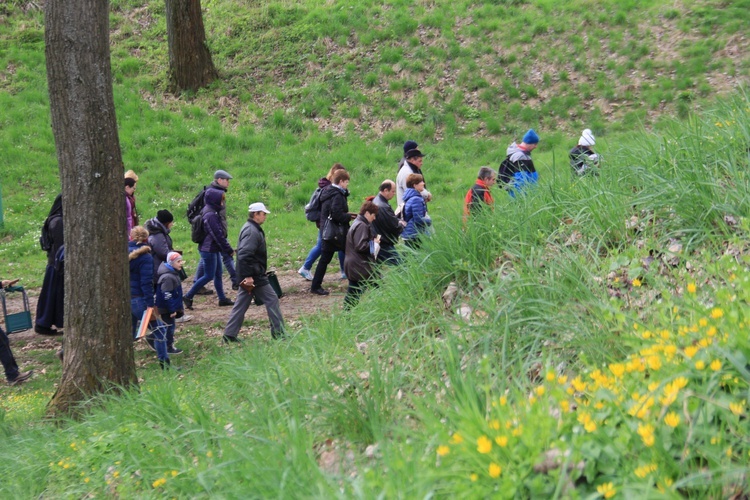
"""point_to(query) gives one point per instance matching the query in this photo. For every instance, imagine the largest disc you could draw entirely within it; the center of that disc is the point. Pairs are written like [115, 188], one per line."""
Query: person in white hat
[252, 260]
[583, 160]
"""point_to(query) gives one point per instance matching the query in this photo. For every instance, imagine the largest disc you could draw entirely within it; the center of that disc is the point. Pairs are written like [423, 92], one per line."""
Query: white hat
[258, 207]
[587, 138]
[173, 256]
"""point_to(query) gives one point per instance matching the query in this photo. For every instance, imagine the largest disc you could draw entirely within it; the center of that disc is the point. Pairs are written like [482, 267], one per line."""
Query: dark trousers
[6, 357]
[355, 290]
[326, 257]
[388, 255]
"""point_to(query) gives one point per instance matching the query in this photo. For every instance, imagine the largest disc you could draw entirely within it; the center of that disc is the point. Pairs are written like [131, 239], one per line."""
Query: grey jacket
[252, 256]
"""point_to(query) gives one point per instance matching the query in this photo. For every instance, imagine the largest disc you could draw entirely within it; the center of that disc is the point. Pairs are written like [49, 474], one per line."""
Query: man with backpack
[198, 232]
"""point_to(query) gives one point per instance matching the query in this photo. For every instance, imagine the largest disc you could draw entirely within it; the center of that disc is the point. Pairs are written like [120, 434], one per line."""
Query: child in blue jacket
[169, 304]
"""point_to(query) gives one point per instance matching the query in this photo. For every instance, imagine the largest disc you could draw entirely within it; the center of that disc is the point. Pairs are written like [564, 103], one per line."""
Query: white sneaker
[305, 273]
[184, 318]
[343, 275]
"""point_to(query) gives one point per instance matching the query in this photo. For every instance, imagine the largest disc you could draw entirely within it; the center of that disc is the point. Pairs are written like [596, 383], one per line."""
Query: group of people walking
[156, 269]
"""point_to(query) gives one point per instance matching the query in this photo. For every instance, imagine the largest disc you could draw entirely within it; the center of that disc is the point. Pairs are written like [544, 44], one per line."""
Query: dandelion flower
[443, 450]
[495, 470]
[495, 424]
[737, 408]
[617, 369]
[711, 331]
[702, 322]
[717, 312]
[457, 439]
[550, 376]
[590, 426]
[716, 365]
[607, 490]
[484, 445]
[672, 419]
[691, 351]
[503, 400]
[502, 441]
[159, 482]
[636, 282]
[654, 362]
[539, 390]
[691, 288]
[700, 365]
[474, 477]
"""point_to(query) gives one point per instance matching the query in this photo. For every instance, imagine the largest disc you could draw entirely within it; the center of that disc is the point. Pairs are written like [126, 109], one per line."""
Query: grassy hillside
[596, 346]
[306, 84]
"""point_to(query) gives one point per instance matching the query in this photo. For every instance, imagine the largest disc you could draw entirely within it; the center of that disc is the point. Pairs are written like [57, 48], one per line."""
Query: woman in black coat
[49, 308]
[333, 204]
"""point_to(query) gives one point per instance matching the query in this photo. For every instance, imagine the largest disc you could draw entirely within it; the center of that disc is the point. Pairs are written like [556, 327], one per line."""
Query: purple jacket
[216, 230]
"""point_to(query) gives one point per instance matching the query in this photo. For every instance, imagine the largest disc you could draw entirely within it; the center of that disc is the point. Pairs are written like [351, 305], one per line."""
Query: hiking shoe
[305, 273]
[184, 318]
[235, 286]
[226, 302]
[229, 340]
[21, 378]
[174, 350]
[319, 291]
[188, 303]
[151, 341]
[204, 291]
[343, 276]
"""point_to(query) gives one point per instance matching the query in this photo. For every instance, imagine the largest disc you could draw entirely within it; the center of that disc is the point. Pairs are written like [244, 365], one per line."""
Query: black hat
[413, 153]
[164, 216]
[409, 145]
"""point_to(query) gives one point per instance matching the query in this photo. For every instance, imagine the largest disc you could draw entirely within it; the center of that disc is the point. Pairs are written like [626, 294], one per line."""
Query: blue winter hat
[531, 137]
[409, 145]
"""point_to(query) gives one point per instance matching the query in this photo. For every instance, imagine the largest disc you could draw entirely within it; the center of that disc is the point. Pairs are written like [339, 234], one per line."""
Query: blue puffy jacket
[141, 272]
[415, 211]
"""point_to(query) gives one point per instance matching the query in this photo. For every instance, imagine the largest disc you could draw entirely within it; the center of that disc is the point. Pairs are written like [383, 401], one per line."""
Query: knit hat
[409, 145]
[173, 257]
[164, 216]
[587, 138]
[531, 137]
[222, 174]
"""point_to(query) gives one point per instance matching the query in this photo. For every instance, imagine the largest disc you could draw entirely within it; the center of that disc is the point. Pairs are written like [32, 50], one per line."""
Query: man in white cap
[583, 160]
[252, 260]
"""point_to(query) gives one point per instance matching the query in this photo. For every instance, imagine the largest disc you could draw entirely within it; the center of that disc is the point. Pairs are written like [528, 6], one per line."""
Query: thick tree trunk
[98, 344]
[190, 64]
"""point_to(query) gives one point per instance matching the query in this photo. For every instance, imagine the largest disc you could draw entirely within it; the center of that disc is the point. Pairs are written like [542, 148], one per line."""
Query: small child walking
[169, 304]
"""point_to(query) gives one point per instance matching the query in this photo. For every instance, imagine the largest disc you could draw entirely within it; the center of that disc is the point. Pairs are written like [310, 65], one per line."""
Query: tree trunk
[98, 343]
[190, 64]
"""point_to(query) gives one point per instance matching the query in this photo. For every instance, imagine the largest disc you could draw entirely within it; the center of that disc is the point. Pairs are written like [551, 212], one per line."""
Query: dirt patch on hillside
[296, 304]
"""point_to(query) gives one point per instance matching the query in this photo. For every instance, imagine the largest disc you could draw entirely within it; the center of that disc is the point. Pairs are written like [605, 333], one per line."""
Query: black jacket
[386, 223]
[333, 203]
[252, 256]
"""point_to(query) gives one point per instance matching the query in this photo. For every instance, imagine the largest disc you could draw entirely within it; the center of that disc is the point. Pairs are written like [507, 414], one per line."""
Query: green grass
[568, 289]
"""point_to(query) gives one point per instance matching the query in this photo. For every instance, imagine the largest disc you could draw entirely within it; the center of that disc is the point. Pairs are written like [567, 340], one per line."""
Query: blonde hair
[139, 234]
[131, 175]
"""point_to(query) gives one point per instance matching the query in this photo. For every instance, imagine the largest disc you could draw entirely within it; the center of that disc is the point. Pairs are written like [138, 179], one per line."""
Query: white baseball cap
[258, 207]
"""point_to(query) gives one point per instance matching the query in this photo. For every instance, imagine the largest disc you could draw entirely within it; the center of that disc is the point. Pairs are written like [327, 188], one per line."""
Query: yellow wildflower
[159, 482]
[517, 431]
[647, 334]
[716, 365]
[562, 379]
[456, 438]
[539, 390]
[495, 424]
[578, 384]
[737, 408]
[711, 331]
[550, 376]
[590, 426]
[502, 441]
[664, 334]
[617, 369]
[636, 282]
[646, 431]
[691, 351]
[654, 362]
[565, 405]
[503, 400]
[473, 477]
[443, 450]
[680, 382]
[672, 419]
[86, 480]
[702, 322]
[717, 312]
[209, 454]
[495, 470]
[607, 490]
[484, 445]
[691, 288]
[700, 365]
[645, 470]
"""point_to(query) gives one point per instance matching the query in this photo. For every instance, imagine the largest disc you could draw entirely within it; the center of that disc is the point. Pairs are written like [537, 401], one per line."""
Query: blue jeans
[161, 333]
[315, 253]
[212, 270]
[137, 308]
[228, 263]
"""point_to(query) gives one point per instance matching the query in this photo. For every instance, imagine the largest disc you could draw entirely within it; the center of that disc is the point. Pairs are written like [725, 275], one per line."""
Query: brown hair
[368, 206]
[340, 175]
[139, 234]
[413, 180]
[334, 168]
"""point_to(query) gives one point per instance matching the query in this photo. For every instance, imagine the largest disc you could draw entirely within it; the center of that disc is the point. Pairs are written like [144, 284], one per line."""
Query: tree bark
[98, 343]
[190, 64]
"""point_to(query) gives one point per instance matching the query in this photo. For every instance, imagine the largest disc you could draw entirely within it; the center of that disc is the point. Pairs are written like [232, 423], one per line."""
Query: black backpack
[195, 206]
[45, 240]
[313, 207]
